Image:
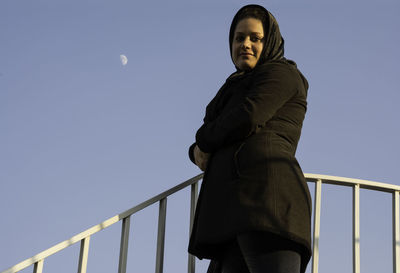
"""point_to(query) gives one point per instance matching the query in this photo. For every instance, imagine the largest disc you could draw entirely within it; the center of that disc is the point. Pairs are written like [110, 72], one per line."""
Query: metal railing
[84, 237]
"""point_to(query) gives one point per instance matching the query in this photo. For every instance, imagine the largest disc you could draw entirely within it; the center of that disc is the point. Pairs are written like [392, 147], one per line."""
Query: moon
[124, 59]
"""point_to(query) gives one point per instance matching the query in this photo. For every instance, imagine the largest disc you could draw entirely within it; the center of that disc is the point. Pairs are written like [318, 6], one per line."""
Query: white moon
[124, 59]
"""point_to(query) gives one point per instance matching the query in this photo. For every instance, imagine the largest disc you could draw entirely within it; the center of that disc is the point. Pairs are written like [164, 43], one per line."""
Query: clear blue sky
[83, 138]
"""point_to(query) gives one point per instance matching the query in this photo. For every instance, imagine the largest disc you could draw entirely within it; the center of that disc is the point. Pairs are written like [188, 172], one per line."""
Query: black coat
[253, 181]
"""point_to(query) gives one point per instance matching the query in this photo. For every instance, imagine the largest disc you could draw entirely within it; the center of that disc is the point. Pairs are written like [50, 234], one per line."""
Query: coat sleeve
[191, 152]
[207, 118]
[273, 85]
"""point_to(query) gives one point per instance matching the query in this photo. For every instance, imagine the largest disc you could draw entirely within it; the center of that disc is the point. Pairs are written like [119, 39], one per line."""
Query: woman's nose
[246, 43]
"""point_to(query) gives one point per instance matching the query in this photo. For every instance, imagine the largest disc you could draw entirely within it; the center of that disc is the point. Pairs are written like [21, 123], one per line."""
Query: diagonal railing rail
[84, 237]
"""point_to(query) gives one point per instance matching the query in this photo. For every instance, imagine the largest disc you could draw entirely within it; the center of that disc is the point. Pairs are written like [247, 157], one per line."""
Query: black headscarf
[273, 42]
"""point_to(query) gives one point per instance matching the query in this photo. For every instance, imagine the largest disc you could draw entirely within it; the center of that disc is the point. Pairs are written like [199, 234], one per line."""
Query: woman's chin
[246, 66]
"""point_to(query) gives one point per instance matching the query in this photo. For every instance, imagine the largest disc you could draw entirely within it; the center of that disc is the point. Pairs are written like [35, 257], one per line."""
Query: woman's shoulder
[281, 69]
[283, 65]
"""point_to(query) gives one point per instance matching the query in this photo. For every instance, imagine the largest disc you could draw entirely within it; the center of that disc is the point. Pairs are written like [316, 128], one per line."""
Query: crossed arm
[273, 86]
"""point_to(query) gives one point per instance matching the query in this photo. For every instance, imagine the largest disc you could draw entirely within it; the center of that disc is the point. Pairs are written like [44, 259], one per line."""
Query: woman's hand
[200, 158]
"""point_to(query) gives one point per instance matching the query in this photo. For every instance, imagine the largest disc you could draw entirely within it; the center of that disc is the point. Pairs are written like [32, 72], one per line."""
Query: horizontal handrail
[344, 181]
[326, 179]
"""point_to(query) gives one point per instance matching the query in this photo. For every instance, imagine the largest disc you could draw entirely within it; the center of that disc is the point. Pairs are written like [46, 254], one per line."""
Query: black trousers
[258, 252]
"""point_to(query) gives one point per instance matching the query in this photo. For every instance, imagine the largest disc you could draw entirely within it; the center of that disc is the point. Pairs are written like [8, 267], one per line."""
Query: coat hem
[213, 251]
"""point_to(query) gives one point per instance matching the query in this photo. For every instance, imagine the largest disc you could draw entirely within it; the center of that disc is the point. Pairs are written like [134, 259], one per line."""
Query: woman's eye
[239, 39]
[255, 39]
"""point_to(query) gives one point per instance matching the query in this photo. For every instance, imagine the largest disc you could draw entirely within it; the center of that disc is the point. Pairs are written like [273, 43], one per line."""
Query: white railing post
[317, 223]
[38, 267]
[83, 255]
[123, 251]
[396, 233]
[161, 235]
[193, 201]
[356, 228]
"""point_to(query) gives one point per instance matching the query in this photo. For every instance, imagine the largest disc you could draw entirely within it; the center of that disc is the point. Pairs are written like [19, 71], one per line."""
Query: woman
[254, 208]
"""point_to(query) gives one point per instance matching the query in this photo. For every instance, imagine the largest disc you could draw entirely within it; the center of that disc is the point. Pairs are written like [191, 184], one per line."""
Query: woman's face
[247, 44]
